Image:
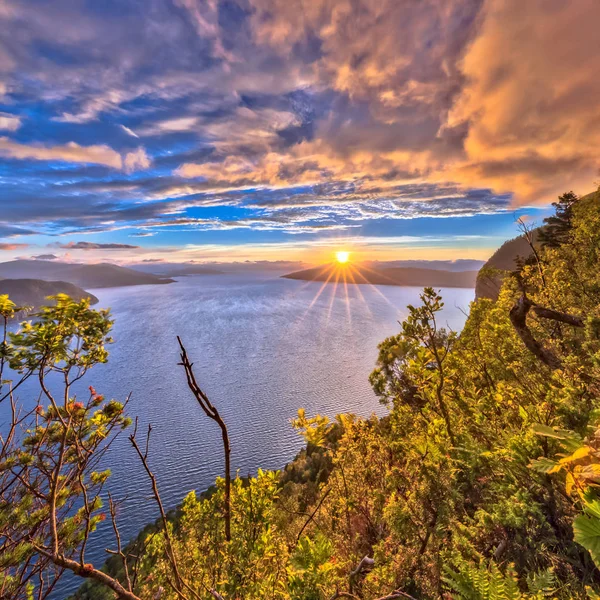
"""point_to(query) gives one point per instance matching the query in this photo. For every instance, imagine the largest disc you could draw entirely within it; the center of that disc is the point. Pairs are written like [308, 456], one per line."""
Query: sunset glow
[342, 256]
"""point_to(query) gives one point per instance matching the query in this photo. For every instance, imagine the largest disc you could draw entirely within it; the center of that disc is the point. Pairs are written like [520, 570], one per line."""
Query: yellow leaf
[578, 454]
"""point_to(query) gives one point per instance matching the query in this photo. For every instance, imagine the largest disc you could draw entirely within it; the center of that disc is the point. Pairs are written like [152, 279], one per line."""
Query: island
[100, 275]
[398, 276]
[34, 293]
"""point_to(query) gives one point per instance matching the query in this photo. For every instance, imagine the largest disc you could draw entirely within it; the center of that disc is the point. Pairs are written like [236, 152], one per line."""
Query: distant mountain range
[176, 269]
[400, 276]
[33, 293]
[458, 265]
[102, 275]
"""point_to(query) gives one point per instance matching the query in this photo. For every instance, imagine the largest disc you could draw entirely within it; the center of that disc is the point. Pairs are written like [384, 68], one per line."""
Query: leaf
[570, 439]
[586, 531]
[545, 465]
[591, 473]
[577, 455]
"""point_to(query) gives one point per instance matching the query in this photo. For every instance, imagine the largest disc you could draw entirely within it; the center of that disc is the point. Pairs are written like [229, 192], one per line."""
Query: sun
[342, 256]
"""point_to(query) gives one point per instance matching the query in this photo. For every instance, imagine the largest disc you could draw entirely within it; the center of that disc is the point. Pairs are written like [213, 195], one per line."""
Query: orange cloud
[531, 101]
[7, 247]
[74, 153]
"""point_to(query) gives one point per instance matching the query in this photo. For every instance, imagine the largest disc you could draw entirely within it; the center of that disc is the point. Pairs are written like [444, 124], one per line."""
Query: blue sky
[266, 129]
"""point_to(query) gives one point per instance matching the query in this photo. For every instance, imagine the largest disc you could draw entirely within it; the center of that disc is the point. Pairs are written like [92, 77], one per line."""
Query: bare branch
[312, 515]
[518, 318]
[213, 414]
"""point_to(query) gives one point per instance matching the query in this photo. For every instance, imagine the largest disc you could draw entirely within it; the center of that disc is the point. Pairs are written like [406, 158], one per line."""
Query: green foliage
[484, 582]
[557, 228]
[50, 486]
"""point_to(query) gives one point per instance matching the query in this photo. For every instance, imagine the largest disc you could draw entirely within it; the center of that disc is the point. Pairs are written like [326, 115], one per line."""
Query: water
[262, 347]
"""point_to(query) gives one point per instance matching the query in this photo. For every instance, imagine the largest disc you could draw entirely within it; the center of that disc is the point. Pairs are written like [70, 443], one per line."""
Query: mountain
[176, 269]
[401, 276]
[461, 264]
[173, 269]
[100, 275]
[489, 280]
[34, 292]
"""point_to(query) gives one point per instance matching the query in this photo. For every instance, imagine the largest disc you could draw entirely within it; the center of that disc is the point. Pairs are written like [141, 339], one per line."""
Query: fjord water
[262, 347]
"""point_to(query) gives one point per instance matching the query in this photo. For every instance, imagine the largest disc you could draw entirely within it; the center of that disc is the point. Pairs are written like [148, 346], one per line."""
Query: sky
[215, 130]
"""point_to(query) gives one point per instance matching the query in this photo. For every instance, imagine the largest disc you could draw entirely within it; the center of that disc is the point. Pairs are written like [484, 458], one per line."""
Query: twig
[312, 515]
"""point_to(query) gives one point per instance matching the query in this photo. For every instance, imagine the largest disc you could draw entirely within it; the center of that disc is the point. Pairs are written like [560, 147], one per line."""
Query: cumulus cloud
[531, 99]
[137, 160]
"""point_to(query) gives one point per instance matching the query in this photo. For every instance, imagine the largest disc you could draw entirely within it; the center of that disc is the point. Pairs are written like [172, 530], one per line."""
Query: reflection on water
[262, 347]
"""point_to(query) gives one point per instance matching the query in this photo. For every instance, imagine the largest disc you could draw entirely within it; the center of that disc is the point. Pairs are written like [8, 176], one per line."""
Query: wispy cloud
[94, 246]
[74, 153]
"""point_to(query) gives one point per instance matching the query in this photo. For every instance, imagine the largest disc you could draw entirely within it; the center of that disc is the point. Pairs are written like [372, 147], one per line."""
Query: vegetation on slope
[553, 233]
[34, 293]
[482, 481]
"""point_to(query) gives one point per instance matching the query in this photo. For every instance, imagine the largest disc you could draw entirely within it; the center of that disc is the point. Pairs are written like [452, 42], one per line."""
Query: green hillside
[489, 280]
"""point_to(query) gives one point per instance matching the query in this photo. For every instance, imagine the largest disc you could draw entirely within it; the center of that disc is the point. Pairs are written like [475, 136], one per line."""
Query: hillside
[399, 276]
[491, 275]
[34, 292]
[489, 279]
[102, 275]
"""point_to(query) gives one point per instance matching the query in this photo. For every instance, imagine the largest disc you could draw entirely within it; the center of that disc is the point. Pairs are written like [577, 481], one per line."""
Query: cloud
[129, 131]
[4, 246]
[95, 246]
[530, 104]
[9, 122]
[302, 117]
[74, 153]
[8, 230]
[137, 160]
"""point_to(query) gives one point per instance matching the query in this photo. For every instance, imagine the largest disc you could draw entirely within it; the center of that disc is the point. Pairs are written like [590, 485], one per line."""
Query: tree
[50, 482]
[557, 228]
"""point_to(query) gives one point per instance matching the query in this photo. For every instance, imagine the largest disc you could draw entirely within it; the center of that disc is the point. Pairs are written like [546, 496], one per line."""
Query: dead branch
[113, 515]
[211, 412]
[365, 565]
[555, 315]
